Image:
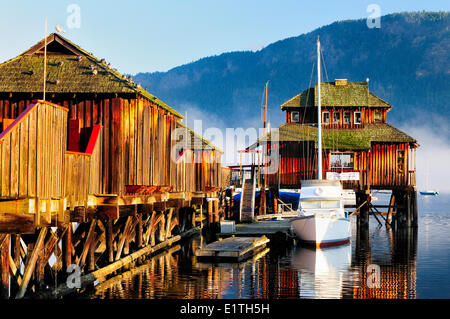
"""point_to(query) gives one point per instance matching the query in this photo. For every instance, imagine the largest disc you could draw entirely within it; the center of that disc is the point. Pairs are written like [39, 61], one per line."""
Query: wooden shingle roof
[353, 94]
[339, 139]
[70, 69]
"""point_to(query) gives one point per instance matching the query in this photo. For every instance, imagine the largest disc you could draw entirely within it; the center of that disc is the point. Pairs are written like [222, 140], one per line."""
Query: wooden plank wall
[31, 158]
[135, 144]
[384, 168]
[377, 169]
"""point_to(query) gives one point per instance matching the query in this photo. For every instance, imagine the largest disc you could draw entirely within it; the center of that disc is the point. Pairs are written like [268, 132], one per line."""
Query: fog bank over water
[433, 155]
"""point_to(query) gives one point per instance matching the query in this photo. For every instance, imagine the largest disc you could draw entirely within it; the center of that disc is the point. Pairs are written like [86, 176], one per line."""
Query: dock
[232, 248]
[259, 228]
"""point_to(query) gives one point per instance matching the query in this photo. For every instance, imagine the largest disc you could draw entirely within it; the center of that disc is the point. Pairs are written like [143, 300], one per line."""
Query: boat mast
[319, 117]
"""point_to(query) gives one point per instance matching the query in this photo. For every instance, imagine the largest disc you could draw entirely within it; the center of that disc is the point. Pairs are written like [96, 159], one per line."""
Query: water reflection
[397, 262]
[278, 272]
[322, 271]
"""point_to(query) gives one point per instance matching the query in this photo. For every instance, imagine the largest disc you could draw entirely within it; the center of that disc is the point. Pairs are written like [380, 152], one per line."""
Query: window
[308, 204]
[336, 118]
[326, 117]
[295, 117]
[377, 117]
[347, 118]
[341, 161]
[400, 161]
[357, 117]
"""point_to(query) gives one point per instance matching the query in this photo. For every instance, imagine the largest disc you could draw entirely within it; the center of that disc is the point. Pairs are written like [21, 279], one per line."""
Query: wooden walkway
[232, 248]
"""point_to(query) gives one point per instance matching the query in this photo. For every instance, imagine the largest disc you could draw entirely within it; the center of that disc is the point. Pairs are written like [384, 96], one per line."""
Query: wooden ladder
[247, 206]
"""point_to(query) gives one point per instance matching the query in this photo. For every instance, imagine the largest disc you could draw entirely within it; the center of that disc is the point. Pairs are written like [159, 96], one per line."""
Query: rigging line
[333, 137]
[303, 117]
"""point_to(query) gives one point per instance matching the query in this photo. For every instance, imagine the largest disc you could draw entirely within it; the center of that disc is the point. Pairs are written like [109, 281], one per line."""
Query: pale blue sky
[147, 36]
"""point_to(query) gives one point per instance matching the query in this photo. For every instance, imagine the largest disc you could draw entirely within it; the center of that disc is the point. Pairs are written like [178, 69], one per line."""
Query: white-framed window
[326, 118]
[340, 160]
[347, 118]
[295, 117]
[336, 117]
[377, 117]
[358, 118]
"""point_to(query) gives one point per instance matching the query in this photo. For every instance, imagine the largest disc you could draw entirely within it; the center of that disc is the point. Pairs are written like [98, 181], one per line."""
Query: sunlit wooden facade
[359, 147]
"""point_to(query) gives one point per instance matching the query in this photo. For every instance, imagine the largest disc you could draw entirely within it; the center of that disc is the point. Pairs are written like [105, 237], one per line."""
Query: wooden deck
[232, 248]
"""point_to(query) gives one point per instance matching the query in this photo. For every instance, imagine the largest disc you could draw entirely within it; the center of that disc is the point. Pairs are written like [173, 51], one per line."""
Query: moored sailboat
[322, 220]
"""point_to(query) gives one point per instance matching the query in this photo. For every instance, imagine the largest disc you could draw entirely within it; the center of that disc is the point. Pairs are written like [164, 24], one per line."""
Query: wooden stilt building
[359, 147]
[100, 151]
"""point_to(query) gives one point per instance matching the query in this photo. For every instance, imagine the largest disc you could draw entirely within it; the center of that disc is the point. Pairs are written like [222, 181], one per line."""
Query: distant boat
[428, 191]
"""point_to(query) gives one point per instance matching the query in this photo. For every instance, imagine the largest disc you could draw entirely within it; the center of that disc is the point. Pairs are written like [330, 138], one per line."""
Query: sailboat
[322, 220]
[428, 191]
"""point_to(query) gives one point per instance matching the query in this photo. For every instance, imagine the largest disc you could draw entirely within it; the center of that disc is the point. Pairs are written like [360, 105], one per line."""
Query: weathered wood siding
[134, 146]
[378, 168]
[32, 163]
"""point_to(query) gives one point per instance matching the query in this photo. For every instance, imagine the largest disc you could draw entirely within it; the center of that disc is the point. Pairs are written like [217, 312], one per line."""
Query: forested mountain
[406, 60]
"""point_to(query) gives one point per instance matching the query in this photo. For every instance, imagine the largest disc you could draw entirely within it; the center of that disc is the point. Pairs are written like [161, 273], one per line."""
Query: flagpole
[45, 56]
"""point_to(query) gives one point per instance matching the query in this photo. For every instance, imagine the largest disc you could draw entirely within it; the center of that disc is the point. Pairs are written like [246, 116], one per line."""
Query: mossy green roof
[353, 94]
[66, 73]
[339, 139]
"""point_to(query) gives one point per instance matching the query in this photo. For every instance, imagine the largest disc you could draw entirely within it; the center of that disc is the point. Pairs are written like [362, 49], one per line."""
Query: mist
[433, 154]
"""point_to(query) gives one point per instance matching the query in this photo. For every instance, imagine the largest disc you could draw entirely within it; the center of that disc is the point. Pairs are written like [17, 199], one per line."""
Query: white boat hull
[322, 231]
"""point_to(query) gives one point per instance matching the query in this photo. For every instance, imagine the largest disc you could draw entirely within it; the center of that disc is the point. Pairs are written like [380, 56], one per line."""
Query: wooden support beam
[100, 275]
[108, 212]
[78, 215]
[16, 223]
[87, 243]
[150, 229]
[67, 247]
[4, 266]
[123, 238]
[175, 202]
[109, 240]
[14, 272]
[30, 265]
[160, 206]
[139, 231]
[197, 200]
[169, 223]
[162, 229]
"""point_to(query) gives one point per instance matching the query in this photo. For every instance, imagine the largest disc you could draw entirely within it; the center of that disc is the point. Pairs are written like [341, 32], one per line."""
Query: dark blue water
[380, 264]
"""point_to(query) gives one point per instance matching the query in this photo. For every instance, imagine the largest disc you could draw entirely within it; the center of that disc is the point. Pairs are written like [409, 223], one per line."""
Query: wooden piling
[4, 264]
[30, 265]
[362, 201]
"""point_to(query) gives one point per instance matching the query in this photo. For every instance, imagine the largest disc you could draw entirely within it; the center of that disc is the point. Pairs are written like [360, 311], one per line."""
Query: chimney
[340, 82]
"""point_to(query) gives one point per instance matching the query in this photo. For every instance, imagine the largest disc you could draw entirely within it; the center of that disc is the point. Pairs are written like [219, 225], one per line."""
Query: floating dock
[232, 248]
[260, 228]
